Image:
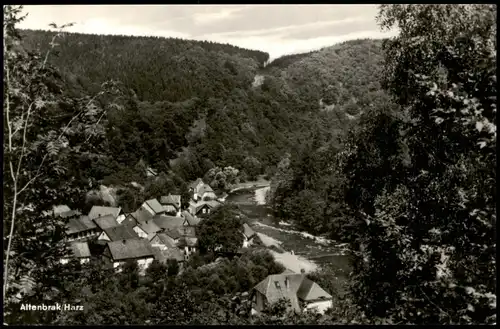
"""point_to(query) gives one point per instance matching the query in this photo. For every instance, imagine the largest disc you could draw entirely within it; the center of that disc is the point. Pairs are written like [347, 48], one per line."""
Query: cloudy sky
[276, 29]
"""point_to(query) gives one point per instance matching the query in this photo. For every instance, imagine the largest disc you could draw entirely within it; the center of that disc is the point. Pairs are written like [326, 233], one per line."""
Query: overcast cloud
[276, 29]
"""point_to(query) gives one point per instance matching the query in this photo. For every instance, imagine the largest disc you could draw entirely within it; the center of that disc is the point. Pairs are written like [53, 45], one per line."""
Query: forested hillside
[388, 147]
[190, 105]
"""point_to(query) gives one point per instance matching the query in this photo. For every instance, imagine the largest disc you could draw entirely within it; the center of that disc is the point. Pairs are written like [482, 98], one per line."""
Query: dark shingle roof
[121, 232]
[130, 249]
[170, 253]
[205, 188]
[103, 211]
[142, 215]
[191, 220]
[174, 234]
[299, 287]
[80, 249]
[168, 222]
[149, 226]
[247, 231]
[195, 183]
[155, 206]
[81, 224]
[170, 199]
[166, 240]
[310, 290]
[105, 222]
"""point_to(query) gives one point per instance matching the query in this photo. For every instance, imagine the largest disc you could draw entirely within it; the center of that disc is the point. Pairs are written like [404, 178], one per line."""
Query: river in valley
[294, 249]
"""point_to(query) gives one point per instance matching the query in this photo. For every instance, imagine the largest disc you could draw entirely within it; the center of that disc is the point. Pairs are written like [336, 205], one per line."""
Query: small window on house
[204, 210]
[277, 284]
[208, 211]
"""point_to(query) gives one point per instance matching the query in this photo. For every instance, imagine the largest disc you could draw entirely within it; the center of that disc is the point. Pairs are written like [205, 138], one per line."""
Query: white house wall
[104, 236]
[140, 232]
[321, 306]
[144, 264]
[120, 219]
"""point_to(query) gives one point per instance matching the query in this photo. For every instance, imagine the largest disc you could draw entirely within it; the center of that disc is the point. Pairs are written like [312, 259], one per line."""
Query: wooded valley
[386, 145]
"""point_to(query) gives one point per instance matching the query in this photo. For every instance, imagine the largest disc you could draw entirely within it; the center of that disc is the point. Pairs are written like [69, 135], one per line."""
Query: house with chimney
[117, 253]
[302, 292]
[146, 229]
[117, 233]
[171, 204]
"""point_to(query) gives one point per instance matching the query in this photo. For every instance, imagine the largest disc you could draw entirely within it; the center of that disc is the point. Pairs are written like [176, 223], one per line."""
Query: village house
[80, 251]
[168, 222]
[105, 222]
[171, 204]
[201, 191]
[174, 234]
[140, 215]
[302, 292]
[119, 252]
[153, 207]
[190, 220]
[248, 235]
[116, 233]
[146, 229]
[166, 248]
[203, 208]
[81, 228]
[100, 211]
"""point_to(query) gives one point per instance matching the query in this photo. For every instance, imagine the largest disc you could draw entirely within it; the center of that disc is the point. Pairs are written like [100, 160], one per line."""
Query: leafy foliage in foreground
[425, 225]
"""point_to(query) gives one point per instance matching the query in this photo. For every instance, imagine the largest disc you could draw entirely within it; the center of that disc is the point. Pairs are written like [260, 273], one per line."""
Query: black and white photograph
[320, 164]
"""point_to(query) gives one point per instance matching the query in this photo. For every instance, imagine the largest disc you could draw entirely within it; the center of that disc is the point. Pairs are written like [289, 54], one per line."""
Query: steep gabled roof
[130, 249]
[80, 249]
[105, 222]
[121, 232]
[142, 215]
[170, 253]
[155, 205]
[168, 222]
[205, 188]
[166, 240]
[170, 199]
[80, 224]
[274, 287]
[191, 220]
[173, 233]
[98, 211]
[310, 290]
[149, 226]
[247, 231]
[195, 183]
